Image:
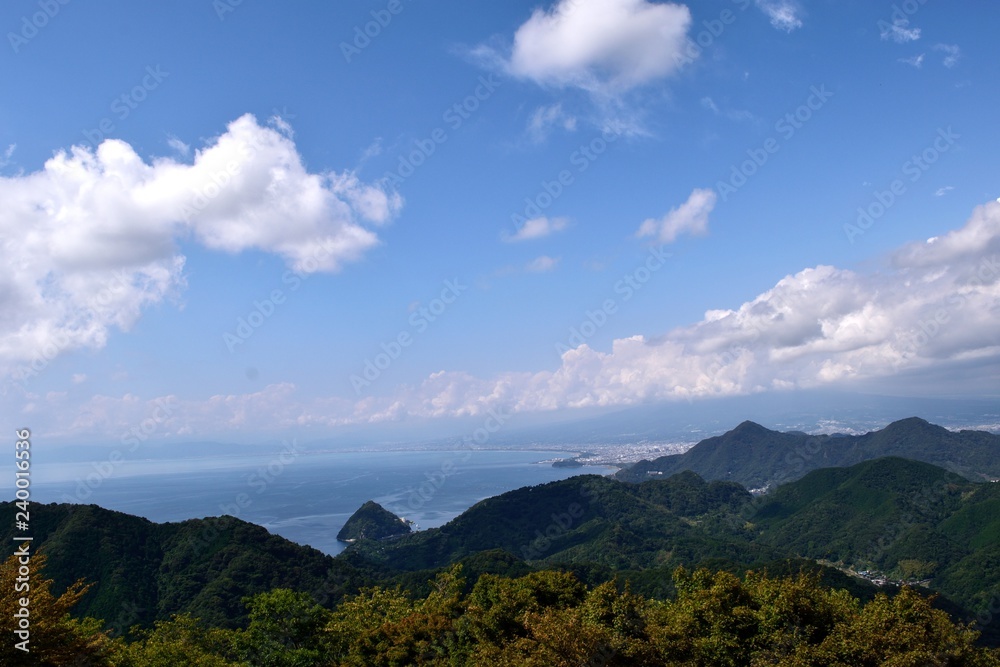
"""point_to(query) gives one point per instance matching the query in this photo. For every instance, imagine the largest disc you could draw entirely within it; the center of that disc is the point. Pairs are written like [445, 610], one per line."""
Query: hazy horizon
[358, 222]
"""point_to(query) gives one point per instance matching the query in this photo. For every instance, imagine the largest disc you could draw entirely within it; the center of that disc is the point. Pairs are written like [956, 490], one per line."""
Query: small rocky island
[373, 522]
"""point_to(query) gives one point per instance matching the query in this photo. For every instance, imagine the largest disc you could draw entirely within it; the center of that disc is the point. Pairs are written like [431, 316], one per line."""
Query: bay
[302, 496]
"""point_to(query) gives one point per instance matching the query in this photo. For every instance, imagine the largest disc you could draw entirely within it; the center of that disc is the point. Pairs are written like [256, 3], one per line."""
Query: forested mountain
[905, 520]
[374, 522]
[757, 457]
[143, 571]
[910, 520]
[879, 522]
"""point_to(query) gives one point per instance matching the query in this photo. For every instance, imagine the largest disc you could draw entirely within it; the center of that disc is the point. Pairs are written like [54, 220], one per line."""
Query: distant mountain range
[757, 457]
[885, 519]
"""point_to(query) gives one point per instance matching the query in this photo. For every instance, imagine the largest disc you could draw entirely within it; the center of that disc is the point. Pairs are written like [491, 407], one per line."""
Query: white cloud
[784, 14]
[915, 61]
[952, 53]
[178, 146]
[899, 31]
[602, 46]
[542, 264]
[89, 240]
[7, 155]
[731, 114]
[537, 228]
[928, 317]
[545, 118]
[932, 313]
[691, 217]
[941, 192]
[372, 150]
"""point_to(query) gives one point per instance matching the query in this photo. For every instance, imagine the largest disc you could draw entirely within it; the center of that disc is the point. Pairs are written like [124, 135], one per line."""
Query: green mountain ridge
[757, 457]
[904, 519]
[144, 571]
[901, 518]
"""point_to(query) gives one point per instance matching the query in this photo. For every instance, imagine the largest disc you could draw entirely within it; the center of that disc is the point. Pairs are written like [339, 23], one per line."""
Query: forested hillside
[845, 565]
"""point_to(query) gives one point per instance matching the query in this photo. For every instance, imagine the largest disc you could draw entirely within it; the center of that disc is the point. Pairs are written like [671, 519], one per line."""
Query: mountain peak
[374, 522]
[748, 428]
[911, 424]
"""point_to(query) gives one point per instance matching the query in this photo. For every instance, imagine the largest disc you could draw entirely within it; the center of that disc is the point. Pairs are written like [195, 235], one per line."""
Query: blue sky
[569, 205]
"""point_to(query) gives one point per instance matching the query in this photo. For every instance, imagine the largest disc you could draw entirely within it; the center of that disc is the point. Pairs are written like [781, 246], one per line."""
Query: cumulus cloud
[932, 310]
[537, 228]
[928, 315]
[898, 31]
[89, 241]
[784, 14]
[691, 217]
[601, 46]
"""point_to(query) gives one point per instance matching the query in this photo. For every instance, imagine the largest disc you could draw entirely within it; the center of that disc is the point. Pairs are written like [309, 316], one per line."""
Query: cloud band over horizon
[932, 308]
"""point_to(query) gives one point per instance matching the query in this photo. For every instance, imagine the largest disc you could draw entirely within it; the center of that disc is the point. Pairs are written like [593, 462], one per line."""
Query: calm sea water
[304, 497]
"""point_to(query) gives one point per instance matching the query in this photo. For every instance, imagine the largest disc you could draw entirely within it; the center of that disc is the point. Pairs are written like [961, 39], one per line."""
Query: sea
[305, 497]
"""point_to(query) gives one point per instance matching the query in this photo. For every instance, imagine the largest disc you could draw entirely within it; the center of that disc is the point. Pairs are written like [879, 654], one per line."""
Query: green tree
[382, 627]
[55, 637]
[285, 630]
[180, 641]
[904, 631]
[496, 607]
